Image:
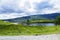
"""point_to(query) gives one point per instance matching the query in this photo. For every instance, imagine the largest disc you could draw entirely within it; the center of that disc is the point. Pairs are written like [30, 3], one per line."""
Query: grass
[27, 30]
[43, 21]
[13, 30]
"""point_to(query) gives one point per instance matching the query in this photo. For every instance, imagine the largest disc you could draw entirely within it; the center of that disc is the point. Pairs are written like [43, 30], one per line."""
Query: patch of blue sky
[43, 5]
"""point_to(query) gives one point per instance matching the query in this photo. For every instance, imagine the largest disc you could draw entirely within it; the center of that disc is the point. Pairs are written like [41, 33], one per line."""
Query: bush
[57, 21]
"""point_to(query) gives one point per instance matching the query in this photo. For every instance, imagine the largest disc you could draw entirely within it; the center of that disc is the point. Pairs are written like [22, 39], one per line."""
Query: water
[42, 24]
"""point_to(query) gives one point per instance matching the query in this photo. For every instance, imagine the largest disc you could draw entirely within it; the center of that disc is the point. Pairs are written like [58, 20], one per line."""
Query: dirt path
[41, 37]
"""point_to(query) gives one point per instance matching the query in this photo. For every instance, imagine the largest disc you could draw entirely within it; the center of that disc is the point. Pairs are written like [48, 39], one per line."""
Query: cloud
[43, 5]
[12, 15]
[20, 8]
[9, 7]
[55, 7]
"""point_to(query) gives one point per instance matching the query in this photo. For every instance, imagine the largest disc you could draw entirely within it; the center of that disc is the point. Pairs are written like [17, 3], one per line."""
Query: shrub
[57, 21]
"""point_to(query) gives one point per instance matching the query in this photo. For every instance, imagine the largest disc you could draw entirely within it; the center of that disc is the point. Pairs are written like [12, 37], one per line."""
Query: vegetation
[4, 23]
[42, 21]
[57, 21]
[7, 28]
[27, 30]
[28, 22]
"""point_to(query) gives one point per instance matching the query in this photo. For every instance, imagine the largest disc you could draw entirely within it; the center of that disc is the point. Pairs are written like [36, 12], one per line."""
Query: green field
[6, 28]
[42, 21]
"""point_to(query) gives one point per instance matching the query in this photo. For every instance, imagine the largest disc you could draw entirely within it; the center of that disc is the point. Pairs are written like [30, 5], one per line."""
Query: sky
[19, 8]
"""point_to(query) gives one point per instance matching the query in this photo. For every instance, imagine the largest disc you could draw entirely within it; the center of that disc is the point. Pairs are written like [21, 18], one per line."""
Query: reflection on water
[42, 24]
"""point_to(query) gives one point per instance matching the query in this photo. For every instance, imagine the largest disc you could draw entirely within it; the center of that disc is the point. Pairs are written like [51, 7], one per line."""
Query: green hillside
[4, 23]
[6, 28]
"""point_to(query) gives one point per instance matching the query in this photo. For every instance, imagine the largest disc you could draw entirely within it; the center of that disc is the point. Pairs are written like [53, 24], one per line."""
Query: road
[40, 37]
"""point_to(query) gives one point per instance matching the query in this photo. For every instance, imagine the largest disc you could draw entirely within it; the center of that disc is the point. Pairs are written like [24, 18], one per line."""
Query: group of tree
[57, 20]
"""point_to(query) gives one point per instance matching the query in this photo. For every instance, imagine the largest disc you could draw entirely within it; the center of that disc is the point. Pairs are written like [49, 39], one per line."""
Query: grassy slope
[12, 29]
[4, 23]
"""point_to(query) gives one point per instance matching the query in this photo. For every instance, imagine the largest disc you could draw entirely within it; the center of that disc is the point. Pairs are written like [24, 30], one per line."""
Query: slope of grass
[4, 23]
[27, 30]
[12, 29]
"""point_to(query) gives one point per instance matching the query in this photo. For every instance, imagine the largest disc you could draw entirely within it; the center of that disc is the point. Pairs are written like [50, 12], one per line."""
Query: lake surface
[42, 24]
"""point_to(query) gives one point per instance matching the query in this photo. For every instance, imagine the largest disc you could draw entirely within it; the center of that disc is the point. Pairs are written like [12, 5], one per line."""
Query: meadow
[7, 28]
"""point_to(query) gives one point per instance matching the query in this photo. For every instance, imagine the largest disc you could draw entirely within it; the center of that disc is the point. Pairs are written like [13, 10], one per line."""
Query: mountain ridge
[35, 17]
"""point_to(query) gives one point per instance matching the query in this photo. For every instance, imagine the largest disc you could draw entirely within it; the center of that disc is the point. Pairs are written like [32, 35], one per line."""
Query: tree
[57, 21]
[27, 20]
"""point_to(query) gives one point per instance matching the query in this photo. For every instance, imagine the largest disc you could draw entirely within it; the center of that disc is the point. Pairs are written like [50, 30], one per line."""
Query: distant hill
[35, 17]
[51, 16]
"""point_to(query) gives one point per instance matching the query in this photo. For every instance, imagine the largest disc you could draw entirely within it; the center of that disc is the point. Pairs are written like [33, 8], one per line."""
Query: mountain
[24, 19]
[51, 16]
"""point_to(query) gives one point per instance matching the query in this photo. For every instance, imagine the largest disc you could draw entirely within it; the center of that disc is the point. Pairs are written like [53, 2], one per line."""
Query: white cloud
[56, 7]
[12, 15]
[27, 7]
